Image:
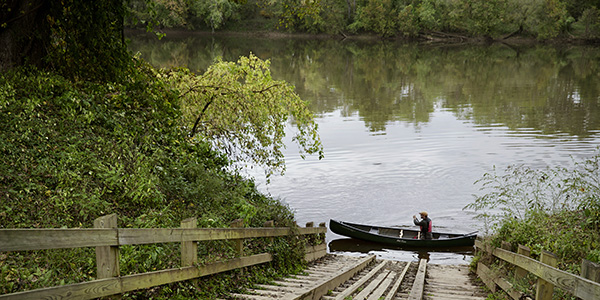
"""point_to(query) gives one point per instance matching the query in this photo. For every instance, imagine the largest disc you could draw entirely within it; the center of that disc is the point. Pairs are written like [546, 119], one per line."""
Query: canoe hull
[399, 236]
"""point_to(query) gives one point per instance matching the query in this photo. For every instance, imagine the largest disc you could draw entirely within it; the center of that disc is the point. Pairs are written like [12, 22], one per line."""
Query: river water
[411, 127]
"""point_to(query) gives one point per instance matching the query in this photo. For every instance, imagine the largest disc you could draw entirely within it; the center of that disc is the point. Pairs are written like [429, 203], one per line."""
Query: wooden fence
[548, 276]
[107, 238]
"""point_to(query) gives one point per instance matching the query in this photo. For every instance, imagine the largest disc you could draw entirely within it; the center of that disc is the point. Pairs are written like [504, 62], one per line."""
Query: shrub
[74, 151]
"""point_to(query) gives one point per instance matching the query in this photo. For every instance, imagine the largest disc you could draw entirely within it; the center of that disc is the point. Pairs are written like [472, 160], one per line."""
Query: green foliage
[170, 13]
[520, 192]
[584, 187]
[74, 151]
[550, 18]
[408, 21]
[594, 255]
[77, 53]
[215, 13]
[432, 14]
[377, 16]
[543, 19]
[480, 17]
[314, 16]
[555, 210]
[577, 8]
[243, 111]
[589, 23]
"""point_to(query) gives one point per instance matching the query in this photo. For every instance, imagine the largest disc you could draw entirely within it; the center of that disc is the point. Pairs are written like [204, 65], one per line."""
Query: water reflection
[545, 89]
[409, 127]
[455, 255]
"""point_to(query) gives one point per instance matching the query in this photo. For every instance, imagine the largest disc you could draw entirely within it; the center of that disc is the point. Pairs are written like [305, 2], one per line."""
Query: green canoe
[399, 236]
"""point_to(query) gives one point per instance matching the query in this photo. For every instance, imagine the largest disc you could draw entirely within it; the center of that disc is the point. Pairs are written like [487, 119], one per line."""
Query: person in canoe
[425, 224]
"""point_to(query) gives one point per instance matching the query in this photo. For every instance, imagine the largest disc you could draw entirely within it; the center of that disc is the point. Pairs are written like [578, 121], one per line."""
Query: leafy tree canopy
[81, 40]
[244, 112]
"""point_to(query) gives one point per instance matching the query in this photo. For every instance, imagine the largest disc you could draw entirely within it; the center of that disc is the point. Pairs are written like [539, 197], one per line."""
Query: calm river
[411, 127]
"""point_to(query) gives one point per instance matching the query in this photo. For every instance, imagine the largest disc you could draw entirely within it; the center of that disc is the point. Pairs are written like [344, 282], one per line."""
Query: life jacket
[428, 226]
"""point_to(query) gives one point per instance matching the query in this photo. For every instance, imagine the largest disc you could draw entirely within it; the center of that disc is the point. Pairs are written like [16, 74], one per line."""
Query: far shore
[429, 37]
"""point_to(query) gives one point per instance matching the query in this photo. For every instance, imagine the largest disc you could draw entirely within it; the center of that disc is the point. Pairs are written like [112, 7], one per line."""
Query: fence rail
[548, 275]
[40, 239]
[107, 238]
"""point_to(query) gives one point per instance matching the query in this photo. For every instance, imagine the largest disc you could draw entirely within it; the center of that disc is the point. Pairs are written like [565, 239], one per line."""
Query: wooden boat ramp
[340, 277]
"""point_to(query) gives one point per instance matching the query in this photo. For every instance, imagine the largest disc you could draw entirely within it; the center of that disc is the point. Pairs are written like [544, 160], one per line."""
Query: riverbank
[555, 210]
[74, 151]
[426, 37]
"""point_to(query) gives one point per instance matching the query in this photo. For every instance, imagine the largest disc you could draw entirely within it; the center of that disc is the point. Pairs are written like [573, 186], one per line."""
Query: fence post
[238, 244]
[189, 249]
[322, 235]
[544, 288]
[107, 257]
[520, 272]
[270, 223]
[590, 270]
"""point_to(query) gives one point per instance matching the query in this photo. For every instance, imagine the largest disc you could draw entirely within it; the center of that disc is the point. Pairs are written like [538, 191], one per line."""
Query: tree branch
[200, 116]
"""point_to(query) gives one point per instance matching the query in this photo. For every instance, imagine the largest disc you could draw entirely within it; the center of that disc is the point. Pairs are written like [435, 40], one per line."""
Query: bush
[556, 209]
[74, 151]
[589, 23]
[377, 16]
[480, 17]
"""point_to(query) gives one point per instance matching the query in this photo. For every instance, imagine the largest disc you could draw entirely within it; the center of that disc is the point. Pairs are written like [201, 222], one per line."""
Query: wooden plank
[396, 286]
[372, 286]
[138, 236]
[317, 292]
[484, 274]
[85, 290]
[147, 280]
[189, 249]
[107, 257]
[578, 286]
[238, 244]
[520, 272]
[53, 238]
[508, 288]
[315, 252]
[354, 287]
[590, 270]
[378, 293]
[544, 289]
[483, 246]
[106, 287]
[416, 293]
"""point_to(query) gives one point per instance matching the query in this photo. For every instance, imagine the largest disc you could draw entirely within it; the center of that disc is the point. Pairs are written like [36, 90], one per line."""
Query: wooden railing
[107, 238]
[545, 270]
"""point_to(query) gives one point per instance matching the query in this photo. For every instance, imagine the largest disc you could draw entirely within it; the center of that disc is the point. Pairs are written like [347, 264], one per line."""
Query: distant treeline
[541, 19]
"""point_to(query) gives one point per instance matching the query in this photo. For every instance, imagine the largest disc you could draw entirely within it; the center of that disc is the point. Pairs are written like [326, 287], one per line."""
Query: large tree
[244, 112]
[80, 39]
[238, 107]
[24, 32]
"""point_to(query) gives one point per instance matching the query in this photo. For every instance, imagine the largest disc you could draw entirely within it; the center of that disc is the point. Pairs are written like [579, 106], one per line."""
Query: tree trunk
[24, 32]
